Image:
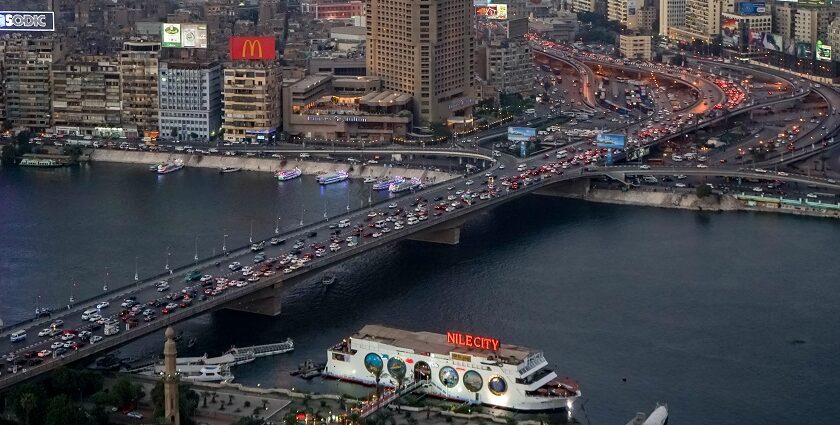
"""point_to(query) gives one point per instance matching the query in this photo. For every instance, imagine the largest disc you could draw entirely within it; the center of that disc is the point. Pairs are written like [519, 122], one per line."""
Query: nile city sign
[472, 341]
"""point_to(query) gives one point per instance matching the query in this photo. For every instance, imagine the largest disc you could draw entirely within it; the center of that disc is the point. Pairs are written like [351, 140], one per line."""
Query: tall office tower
[252, 102]
[220, 16]
[504, 56]
[270, 17]
[812, 24]
[86, 95]
[28, 65]
[617, 10]
[584, 6]
[139, 81]
[784, 18]
[424, 48]
[190, 99]
[702, 21]
[671, 14]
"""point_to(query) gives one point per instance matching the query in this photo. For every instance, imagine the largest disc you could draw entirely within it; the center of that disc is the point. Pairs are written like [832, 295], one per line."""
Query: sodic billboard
[521, 134]
[750, 8]
[27, 21]
[610, 141]
[183, 35]
[730, 33]
[252, 48]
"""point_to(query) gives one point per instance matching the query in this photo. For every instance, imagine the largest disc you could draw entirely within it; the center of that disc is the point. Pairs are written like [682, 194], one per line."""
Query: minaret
[170, 379]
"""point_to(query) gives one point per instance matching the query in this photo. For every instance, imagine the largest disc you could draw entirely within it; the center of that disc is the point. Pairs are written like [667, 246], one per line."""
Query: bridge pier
[578, 189]
[266, 301]
[448, 233]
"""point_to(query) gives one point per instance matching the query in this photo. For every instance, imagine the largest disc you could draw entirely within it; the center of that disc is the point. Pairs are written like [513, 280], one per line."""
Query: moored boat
[229, 169]
[40, 162]
[403, 185]
[370, 179]
[284, 175]
[170, 167]
[336, 177]
[457, 366]
[385, 184]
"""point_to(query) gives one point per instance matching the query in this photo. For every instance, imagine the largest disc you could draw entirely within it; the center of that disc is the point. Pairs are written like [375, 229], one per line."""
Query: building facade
[702, 21]
[507, 65]
[671, 14]
[426, 49]
[28, 74]
[784, 18]
[811, 24]
[251, 97]
[139, 62]
[635, 46]
[190, 100]
[86, 96]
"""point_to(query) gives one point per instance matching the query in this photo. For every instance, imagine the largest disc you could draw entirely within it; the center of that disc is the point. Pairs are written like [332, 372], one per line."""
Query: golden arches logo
[254, 45]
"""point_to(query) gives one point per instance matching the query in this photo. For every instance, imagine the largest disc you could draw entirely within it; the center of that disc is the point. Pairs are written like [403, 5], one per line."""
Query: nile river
[729, 318]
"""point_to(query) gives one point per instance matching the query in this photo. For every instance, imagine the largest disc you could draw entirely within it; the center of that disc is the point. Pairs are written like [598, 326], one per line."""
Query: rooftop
[437, 343]
[385, 98]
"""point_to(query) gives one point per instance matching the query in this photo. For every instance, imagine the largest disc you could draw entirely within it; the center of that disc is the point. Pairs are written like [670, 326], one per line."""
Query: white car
[206, 278]
[702, 166]
[680, 184]
[783, 174]
[468, 182]
[44, 332]
[135, 415]
[644, 167]
[812, 195]
[103, 304]
[94, 318]
[56, 344]
[757, 189]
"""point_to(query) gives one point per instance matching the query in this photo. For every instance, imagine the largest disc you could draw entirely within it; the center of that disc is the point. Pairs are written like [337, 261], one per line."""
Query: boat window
[448, 376]
[473, 381]
[497, 385]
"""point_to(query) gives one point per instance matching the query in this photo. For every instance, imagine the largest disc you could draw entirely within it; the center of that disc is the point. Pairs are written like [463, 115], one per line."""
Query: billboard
[750, 8]
[252, 48]
[772, 41]
[730, 33]
[183, 35]
[492, 11]
[610, 141]
[27, 21]
[521, 134]
[823, 51]
[803, 50]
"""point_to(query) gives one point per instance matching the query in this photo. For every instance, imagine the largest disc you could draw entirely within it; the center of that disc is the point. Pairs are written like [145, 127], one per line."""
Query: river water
[729, 318]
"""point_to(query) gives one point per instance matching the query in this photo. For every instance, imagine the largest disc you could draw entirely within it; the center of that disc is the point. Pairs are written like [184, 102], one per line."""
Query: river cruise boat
[284, 175]
[170, 167]
[385, 184]
[333, 177]
[403, 185]
[40, 162]
[456, 366]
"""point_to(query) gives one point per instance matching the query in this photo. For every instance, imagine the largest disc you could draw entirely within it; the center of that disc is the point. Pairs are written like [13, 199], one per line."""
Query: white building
[671, 14]
[190, 100]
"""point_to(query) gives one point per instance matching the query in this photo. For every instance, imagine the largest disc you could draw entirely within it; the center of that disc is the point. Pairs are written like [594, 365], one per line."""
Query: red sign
[252, 48]
[472, 341]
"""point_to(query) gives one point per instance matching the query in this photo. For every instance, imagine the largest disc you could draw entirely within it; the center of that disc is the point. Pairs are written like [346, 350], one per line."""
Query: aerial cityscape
[405, 212]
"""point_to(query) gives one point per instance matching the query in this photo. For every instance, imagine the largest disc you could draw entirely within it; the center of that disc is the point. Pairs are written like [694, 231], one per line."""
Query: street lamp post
[224, 242]
[168, 254]
[195, 257]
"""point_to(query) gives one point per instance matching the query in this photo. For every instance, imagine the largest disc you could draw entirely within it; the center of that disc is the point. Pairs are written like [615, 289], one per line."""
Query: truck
[112, 329]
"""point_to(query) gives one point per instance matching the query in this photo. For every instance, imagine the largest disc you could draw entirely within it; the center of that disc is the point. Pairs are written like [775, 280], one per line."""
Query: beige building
[86, 96]
[507, 65]
[642, 20]
[784, 18]
[671, 14]
[28, 72]
[139, 81]
[702, 21]
[834, 33]
[426, 49]
[323, 106]
[635, 46]
[812, 24]
[584, 6]
[251, 99]
[562, 27]
[617, 10]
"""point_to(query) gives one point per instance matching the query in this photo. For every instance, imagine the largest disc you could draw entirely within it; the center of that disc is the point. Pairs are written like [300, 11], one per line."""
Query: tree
[74, 151]
[703, 191]
[22, 143]
[8, 155]
[126, 394]
[440, 129]
[61, 411]
[28, 401]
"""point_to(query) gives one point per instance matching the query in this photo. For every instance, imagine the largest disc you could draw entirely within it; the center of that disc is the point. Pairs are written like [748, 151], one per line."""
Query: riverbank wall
[309, 167]
[690, 201]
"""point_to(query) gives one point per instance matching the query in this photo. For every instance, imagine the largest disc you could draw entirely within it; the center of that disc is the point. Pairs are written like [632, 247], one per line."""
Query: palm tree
[27, 403]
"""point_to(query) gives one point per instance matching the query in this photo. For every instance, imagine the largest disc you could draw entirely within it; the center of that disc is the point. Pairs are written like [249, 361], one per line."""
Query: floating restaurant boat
[403, 185]
[339, 176]
[170, 167]
[456, 366]
[284, 175]
[385, 184]
[40, 162]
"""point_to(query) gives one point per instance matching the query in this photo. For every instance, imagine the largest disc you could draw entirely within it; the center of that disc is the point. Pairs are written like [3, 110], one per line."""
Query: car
[702, 166]
[783, 174]
[44, 332]
[757, 189]
[138, 415]
[644, 167]
[44, 353]
[680, 184]
[812, 195]
[234, 266]
[103, 304]
[56, 345]
[57, 323]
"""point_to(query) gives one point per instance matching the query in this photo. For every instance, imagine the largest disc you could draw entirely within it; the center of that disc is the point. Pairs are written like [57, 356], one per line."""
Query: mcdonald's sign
[252, 48]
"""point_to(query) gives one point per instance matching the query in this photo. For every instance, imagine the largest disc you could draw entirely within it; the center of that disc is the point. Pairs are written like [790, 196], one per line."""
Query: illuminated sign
[27, 21]
[823, 51]
[183, 35]
[749, 8]
[492, 11]
[252, 48]
[521, 134]
[610, 141]
[472, 341]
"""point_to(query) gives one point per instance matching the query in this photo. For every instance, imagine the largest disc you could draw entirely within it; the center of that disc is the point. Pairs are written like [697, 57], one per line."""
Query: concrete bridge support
[448, 234]
[266, 301]
[569, 189]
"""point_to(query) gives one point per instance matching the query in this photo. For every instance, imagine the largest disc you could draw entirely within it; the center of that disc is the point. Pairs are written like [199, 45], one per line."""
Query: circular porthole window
[497, 385]
[473, 381]
[448, 377]
[373, 363]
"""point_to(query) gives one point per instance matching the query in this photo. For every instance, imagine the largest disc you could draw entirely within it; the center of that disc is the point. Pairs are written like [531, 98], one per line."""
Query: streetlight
[168, 254]
[195, 257]
[136, 274]
[224, 242]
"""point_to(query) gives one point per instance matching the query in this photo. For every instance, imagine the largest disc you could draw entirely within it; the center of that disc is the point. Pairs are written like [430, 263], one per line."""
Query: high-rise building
[251, 95]
[702, 21]
[833, 36]
[635, 46]
[28, 65]
[139, 82]
[584, 6]
[671, 14]
[617, 10]
[784, 18]
[86, 95]
[190, 99]
[812, 24]
[503, 56]
[424, 48]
